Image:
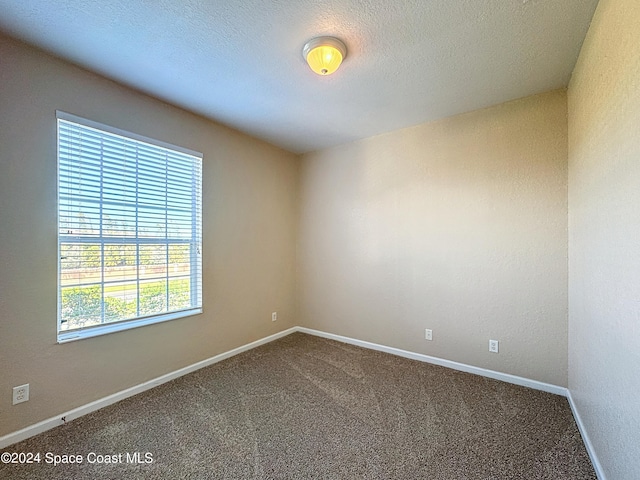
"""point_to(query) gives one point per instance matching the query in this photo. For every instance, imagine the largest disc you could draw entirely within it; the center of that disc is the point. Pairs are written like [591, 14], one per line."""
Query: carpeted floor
[307, 407]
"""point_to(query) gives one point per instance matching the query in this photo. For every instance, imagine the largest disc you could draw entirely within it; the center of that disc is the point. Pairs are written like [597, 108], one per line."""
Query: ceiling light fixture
[324, 54]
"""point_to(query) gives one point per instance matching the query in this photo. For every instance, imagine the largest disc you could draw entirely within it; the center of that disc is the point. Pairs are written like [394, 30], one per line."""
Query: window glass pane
[153, 297]
[81, 306]
[179, 293]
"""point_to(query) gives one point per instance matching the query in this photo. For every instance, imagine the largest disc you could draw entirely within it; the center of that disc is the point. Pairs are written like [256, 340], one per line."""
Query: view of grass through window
[133, 290]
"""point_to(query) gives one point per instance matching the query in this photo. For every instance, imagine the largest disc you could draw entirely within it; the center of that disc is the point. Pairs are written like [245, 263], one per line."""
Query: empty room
[320, 239]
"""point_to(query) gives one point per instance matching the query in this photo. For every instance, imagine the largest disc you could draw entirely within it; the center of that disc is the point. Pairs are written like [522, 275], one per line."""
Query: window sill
[107, 328]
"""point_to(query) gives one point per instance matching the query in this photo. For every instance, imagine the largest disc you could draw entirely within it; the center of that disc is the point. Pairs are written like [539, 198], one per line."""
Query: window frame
[64, 336]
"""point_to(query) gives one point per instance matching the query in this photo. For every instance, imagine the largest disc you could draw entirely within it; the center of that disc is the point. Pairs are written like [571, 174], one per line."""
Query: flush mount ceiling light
[324, 54]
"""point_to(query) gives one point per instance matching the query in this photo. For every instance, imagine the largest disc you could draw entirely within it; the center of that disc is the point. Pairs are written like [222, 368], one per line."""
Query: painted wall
[604, 237]
[458, 225]
[249, 229]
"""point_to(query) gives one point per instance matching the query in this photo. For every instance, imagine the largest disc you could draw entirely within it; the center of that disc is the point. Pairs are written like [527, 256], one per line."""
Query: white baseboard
[52, 422]
[505, 377]
[585, 438]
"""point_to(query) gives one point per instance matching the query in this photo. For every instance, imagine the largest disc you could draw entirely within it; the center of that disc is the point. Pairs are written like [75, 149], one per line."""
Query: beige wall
[459, 226]
[604, 237]
[249, 228]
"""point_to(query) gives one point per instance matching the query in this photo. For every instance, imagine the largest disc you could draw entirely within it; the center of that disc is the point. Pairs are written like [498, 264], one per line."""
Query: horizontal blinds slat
[75, 133]
[93, 168]
[108, 201]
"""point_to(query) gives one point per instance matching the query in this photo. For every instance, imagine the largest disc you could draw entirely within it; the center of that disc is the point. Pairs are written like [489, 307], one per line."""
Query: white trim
[52, 422]
[65, 336]
[585, 438]
[505, 377]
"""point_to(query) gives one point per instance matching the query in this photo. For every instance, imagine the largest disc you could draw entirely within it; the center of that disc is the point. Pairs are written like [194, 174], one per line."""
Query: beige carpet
[306, 407]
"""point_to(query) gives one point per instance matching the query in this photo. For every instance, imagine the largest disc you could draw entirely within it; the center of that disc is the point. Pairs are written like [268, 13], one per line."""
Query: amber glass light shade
[324, 54]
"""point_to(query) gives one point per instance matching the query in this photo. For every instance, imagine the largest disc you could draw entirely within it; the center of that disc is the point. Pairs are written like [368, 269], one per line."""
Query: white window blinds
[129, 230]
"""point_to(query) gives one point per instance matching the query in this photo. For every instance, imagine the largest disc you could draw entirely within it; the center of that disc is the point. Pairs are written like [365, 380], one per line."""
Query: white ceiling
[240, 62]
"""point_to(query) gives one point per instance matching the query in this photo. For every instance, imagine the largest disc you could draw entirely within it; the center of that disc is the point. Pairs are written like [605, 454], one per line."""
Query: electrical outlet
[274, 316]
[21, 393]
[493, 346]
[428, 334]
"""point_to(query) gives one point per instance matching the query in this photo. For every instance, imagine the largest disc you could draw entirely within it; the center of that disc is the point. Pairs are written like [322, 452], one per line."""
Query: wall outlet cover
[20, 394]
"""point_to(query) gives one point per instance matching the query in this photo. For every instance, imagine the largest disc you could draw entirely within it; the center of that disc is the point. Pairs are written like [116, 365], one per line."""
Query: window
[129, 230]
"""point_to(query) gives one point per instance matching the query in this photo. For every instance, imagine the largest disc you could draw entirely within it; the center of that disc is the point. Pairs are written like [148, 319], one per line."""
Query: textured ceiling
[240, 62]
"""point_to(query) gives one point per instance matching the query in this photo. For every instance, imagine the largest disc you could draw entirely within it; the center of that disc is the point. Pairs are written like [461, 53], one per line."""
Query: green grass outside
[87, 305]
